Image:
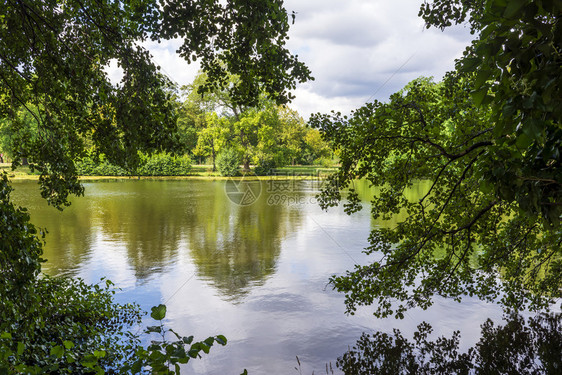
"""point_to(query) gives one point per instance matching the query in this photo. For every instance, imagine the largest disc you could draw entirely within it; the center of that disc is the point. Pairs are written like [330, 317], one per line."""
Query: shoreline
[211, 178]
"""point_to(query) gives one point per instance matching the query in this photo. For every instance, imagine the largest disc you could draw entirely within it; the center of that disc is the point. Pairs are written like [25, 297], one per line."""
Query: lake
[250, 261]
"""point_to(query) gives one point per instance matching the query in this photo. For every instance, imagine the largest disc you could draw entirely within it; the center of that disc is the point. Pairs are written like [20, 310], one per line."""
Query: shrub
[165, 165]
[265, 166]
[89, 167]
[228, 162]
[153, 165]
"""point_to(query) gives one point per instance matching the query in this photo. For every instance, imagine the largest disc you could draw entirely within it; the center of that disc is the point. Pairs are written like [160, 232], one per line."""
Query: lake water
[248, 261]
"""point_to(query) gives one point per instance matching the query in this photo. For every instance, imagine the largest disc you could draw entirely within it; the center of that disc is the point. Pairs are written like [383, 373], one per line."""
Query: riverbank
[198, 172]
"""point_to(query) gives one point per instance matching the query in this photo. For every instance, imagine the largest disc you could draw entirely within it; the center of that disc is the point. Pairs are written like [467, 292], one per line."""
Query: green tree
[228, 162]
[52, 67]
[462, 237]
[53, 55]
[517, 65]
[213, 137]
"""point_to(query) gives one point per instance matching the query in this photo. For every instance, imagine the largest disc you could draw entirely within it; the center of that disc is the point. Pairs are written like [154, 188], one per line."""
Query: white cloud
[357, 50]
[360, 49]
[164, 54]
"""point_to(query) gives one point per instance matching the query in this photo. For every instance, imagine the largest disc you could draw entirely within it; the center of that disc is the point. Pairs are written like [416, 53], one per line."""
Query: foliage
[488, 139]
[161, 164]
[461, 238]
[228, 162]
[165, 165]
[518, 347]
[53, 58]
[517, 65]
[161, 355]
[264, 133]
[265, 167]
[88, 166]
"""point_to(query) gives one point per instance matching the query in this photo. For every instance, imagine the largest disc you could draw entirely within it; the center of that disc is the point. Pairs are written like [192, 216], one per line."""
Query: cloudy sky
[358, 50]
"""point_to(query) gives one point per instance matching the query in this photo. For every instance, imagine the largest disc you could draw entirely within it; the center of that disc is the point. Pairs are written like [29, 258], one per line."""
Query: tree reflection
[236, 247]
[518, 347]
[155, 222]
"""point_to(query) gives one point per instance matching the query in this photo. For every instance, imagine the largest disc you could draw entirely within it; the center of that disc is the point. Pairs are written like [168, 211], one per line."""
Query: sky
[357, 50]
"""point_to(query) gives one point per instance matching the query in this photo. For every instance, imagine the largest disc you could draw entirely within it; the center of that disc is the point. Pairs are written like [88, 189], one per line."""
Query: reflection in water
[236, 246]
[233, 246]
[255, 273]
[514, 348]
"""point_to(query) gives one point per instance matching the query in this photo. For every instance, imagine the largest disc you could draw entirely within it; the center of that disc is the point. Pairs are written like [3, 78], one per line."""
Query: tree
[52, 60]
[488, 139]
[213, 137]
[52, 56]
[461, 238]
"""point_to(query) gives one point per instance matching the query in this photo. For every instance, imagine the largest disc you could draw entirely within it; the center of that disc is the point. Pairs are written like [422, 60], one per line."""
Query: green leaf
[158, 312]
[21, 348]
[481, 78]
[470, 64]
[57, 351]
[513, 8]
[68, 344]
[479, 95]
[151, 329]
[187, 340]
[221, 340]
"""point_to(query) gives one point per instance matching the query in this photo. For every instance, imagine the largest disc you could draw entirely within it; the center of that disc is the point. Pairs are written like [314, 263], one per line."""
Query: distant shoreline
[200, 173]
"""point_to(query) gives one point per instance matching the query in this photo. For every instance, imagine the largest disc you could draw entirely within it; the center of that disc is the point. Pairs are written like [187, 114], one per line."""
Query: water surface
[256, 273]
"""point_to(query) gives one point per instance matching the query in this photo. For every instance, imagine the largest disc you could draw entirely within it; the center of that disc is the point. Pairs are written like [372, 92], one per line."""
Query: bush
[153, 165]
[89, 167]
[228, 162]
[165, 165]
[265, 167]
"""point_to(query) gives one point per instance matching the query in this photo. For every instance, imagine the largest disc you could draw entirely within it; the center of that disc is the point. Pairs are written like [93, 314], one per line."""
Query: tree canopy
[488, 139]
[52, 57]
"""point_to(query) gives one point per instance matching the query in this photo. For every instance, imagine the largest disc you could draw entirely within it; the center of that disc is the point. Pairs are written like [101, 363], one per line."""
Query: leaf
[68, 344]
[209, 341]
[151, 329]
[470, 64]
[158, 312]
[481, 78]
[57, 351]
[513, 7]
[21, 348]
[221, 340]
[478, 96]
[187, 340]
